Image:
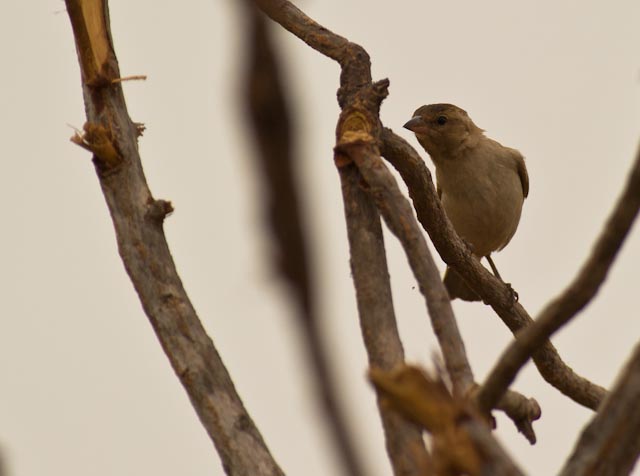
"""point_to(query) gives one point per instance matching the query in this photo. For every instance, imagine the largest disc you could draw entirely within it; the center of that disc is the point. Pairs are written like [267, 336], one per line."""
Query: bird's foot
[514, 294]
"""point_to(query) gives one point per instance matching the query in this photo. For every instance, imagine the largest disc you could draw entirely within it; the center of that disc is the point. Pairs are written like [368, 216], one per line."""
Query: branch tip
[158, 210]
[135, 77]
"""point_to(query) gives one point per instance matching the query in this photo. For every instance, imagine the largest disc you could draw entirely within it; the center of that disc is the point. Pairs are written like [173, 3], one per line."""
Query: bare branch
[363, 111]
[138, 219]
[581, 290]
[353, 59]
[454, 252]
[404, 442]
[371, 278]
[609, 445]
[270, 117]
[399, 217]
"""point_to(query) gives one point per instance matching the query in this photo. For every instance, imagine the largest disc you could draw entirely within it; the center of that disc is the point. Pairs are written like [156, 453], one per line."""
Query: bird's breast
[483, 199]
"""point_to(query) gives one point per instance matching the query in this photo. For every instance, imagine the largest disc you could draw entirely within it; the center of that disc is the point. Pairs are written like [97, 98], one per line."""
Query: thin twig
[135, 77]
[270, 118]
[138, 221]
[577, 295]
[493, 291]
[609, 445]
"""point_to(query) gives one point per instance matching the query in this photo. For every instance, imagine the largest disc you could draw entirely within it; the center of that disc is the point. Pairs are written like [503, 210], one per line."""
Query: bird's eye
[441, 120]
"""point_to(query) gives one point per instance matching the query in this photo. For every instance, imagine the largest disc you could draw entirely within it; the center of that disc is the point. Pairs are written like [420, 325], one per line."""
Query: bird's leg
[497, 275]
[493, 267]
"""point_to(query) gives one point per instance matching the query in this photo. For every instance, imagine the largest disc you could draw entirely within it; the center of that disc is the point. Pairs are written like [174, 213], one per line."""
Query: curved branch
[138, 217]
[577, 295]
[609, 445]
[493, 291]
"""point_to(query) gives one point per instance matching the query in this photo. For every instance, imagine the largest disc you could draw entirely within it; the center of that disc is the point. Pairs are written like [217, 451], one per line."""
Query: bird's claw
[514, 297]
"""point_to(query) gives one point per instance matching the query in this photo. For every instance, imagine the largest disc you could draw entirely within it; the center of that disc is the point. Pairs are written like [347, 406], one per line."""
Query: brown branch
[138, 220]
[270, 119]
[404, 441]
[462, 442]
[494, 292]
[577, 295]
[610, 445]
[353, 59]
[358, 124]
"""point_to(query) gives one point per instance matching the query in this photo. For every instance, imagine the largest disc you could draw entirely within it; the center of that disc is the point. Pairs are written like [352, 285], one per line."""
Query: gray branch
[138, 220]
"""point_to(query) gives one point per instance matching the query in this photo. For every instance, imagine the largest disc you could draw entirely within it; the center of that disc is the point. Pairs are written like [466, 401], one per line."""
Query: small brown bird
[482, 184]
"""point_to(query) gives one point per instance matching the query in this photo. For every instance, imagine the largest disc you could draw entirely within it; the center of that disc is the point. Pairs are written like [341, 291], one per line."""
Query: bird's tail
[457, 287]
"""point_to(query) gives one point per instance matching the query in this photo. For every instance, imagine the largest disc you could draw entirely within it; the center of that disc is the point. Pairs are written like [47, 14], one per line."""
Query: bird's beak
[416, 124]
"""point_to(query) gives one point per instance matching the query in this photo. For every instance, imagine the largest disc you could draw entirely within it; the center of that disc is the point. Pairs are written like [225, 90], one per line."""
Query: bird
[481, 184]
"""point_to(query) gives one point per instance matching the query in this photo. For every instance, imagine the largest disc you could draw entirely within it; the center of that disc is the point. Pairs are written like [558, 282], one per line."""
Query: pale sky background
[86, 389]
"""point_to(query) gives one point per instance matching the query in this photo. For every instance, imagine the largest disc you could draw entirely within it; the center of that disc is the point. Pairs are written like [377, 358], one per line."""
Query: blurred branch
[577, 295]
[138, 220]
[270, 118]
[610, 445]
[462, 442]
[523, 412]
[493, 291]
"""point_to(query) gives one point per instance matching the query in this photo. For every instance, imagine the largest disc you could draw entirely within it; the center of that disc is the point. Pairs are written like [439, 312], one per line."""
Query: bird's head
[443, 129]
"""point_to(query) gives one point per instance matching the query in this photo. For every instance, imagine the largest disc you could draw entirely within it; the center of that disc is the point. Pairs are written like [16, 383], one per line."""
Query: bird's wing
[522, 173]
[521, 168]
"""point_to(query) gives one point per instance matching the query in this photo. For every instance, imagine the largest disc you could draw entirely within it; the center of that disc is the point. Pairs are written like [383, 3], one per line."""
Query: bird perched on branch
[482, 184]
